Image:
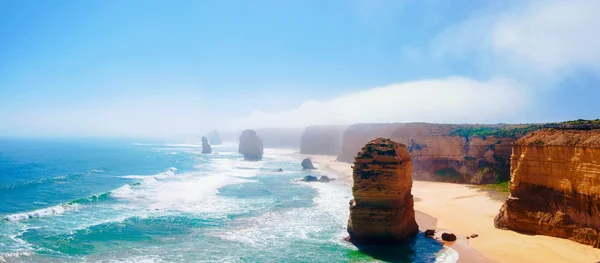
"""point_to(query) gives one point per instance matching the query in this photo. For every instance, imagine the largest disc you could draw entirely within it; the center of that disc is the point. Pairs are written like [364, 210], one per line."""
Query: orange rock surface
[382, 209]
[436, 154]
[555, 186]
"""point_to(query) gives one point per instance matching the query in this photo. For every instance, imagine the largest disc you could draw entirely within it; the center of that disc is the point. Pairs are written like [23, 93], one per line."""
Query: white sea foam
[8, 257]
[448, 255]
[186, 193]
[61, 208]
[49, 211]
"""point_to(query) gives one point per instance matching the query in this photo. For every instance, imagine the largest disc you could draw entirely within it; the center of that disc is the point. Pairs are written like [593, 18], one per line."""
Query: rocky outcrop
[323, 139]
[555, 186]
[215, 138]
[309, 178]
[205, 146]
[325, 179]
[444, 152]
[251, 146]
[449, 237]
[382, 209]
[307, 164]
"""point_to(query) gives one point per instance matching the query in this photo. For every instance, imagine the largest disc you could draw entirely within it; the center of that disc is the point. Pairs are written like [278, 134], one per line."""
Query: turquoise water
[125, 201]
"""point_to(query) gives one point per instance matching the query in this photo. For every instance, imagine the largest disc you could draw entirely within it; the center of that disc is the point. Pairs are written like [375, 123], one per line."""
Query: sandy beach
[466, 210]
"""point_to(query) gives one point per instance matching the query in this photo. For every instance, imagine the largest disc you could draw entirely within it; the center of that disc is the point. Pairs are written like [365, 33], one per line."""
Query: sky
[157, 68]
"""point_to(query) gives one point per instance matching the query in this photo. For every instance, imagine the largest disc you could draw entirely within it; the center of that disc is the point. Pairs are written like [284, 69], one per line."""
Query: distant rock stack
[215, 138]
[205, 146]
[382, 210]
[251, 146]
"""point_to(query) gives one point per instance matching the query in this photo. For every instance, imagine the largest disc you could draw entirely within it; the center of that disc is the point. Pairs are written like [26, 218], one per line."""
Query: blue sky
[155, 68]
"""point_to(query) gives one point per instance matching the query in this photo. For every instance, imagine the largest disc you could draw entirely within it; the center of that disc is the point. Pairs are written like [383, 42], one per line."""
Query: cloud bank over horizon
[447, 100]
[533, 44]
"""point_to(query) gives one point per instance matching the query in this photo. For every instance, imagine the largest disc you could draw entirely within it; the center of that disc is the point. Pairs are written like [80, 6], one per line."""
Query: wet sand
[466, 210]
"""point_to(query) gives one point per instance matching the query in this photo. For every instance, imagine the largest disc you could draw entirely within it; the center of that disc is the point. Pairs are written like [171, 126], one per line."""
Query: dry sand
[466, 210]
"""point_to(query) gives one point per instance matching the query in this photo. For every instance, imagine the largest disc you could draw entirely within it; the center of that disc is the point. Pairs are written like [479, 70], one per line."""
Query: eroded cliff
[555, 186]
[325, 140]
[382, 209]
[443, 152]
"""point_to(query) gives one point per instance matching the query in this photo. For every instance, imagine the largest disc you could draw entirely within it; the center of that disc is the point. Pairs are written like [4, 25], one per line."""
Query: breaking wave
[75, 204]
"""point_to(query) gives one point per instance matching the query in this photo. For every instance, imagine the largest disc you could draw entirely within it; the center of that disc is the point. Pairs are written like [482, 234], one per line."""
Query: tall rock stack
[382, 210]
[215, 138]
[205, 146]
[555, 186]
[251, 146]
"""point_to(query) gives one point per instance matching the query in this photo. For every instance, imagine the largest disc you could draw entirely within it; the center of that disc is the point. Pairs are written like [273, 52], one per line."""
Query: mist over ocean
[126, 201]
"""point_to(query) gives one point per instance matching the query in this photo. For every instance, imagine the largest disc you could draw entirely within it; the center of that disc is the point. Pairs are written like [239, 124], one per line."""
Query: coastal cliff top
[559, 137]
[381, 148]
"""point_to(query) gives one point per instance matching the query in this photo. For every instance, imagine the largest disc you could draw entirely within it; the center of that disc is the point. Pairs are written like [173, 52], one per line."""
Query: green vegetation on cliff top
[521, 130]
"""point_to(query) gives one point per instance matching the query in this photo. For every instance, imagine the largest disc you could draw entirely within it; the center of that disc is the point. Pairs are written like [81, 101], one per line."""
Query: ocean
[109, 200]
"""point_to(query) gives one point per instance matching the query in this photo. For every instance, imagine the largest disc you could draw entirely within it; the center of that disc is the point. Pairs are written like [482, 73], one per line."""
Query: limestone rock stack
[251, 146]
[555, 186]
[215, 138]
[382, 209]
[205, 146]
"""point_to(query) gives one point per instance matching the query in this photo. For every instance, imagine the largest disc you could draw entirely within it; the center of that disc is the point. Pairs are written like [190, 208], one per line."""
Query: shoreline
[466, 210]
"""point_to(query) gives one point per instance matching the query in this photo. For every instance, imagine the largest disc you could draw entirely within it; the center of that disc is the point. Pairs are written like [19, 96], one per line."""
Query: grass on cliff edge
[520, 130]
[501, 187]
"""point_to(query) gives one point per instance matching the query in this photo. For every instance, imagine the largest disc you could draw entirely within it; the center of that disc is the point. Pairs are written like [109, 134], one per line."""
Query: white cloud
[552, 35]
[543, 37]
[448, 100]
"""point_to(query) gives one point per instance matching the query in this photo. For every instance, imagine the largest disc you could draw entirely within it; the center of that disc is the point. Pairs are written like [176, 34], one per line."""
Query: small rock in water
[448, 237]
[307, 164]
[310, 178]
[429, 232]
[324, 179]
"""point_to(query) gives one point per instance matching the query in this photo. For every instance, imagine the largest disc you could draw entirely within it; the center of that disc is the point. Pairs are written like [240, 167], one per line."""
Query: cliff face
[325, 140]
[382, 209]
[439, 153]
[555, 186]
[251, 146]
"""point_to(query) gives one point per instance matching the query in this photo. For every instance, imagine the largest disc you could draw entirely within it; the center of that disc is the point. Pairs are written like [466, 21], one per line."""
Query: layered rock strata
[205, 146]
[382, 210]
[442, 152]
[555, 186]
[251, 146]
